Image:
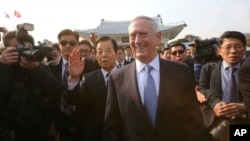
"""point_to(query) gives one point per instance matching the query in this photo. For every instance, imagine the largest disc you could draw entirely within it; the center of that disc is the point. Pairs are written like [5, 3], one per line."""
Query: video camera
[206, 49]
[34, 53]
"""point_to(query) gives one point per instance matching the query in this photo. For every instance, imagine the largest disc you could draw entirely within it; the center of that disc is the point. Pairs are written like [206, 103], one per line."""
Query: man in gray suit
[169, 112]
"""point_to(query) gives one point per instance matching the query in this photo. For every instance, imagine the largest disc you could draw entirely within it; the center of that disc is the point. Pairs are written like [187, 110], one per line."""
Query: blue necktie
[150, 97]
[232, 85]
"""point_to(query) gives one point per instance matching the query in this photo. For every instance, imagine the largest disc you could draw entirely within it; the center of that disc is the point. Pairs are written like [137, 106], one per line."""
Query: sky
[204, 18]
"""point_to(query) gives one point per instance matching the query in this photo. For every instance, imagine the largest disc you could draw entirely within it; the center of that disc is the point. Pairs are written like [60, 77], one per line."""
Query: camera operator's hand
[9, 56]
[27, 64]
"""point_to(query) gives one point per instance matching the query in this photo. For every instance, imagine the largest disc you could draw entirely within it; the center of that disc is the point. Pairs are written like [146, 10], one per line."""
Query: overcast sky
[204, 18]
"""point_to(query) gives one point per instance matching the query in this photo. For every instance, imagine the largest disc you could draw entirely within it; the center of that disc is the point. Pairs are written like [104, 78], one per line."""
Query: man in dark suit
[244, 83]
[120, 59]
[215, 83]
[169, 112]
[94, 86]
[70, 115]
[67, 125]
[178, 53]
[128, 54]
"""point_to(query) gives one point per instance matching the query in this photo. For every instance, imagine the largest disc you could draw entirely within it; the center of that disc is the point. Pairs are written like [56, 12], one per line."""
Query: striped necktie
[232, 85]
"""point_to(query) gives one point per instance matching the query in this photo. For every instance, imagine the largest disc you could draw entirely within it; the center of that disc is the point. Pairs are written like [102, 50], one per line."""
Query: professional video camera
[34, 53]
[206, 50]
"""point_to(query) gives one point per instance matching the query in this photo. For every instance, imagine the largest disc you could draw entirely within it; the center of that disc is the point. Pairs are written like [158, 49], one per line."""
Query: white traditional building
[118, 30]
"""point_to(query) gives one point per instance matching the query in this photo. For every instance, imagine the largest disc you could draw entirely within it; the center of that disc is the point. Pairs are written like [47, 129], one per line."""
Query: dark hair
[7, 37]
[86, 42]
[165, 48]
[234, 35]
[68, 32]
[30, 39]
[127, 47]
[120, 48]
[107, 38]
[56, 46]
[12, 35]
[177, 44]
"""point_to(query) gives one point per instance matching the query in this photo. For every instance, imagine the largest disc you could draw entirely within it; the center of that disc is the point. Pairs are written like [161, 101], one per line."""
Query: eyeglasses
[71, 43]
[235, 47]
[84, 51]
[178, 51]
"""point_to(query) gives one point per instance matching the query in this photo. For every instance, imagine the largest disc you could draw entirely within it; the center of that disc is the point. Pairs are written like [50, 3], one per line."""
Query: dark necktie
[65, 75]
[128, 59]
[119, 65]
[64, 106]
[106, 78]
[232, 85]
[150, 97]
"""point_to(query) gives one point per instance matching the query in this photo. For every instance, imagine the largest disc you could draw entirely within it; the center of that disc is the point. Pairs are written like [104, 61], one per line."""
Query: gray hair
[153, 23]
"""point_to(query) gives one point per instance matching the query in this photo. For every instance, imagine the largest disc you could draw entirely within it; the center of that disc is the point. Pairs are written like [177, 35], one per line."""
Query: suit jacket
[26, 102]
[95, 94]
[244, 83]
[178, 117]
[125, 63]
[210, 83]
[71, 126]
[56, 67]
[131, 60]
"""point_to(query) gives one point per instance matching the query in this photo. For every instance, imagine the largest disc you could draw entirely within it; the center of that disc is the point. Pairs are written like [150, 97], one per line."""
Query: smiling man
[94, 86]
[151, 98]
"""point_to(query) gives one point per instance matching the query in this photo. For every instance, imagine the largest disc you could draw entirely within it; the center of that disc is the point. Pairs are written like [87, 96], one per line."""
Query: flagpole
[14, 25]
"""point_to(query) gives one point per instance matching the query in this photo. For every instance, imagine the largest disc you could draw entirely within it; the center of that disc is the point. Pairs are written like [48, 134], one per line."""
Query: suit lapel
[164, 86]
[57, 69]
[133, 88]
[216, 79]
[100, 80]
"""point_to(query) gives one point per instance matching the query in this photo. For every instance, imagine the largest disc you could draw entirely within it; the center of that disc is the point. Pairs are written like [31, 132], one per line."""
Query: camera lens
[33, 55]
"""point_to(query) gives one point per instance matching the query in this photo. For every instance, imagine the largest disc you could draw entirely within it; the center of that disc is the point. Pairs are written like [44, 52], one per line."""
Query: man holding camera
[27, 90]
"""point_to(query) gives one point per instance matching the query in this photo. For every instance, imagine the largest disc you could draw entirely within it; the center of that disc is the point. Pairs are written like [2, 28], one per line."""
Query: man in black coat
[244, 83]
[94, 86]
[70, 112]
[27, 92]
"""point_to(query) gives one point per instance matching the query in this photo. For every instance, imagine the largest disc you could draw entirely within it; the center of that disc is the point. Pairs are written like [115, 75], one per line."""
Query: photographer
[27, 90]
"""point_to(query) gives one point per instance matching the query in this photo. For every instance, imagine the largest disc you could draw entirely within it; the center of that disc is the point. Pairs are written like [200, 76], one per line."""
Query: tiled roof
[121, 27]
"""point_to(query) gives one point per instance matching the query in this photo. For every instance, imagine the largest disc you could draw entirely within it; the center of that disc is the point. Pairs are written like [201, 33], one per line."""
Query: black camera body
[206, 49]
[34, 53]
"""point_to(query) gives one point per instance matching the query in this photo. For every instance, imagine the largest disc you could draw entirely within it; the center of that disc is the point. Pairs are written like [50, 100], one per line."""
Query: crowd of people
[97, 91]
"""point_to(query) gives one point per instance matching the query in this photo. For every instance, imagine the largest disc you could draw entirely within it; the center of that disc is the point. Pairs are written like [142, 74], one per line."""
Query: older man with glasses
[219, 82]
